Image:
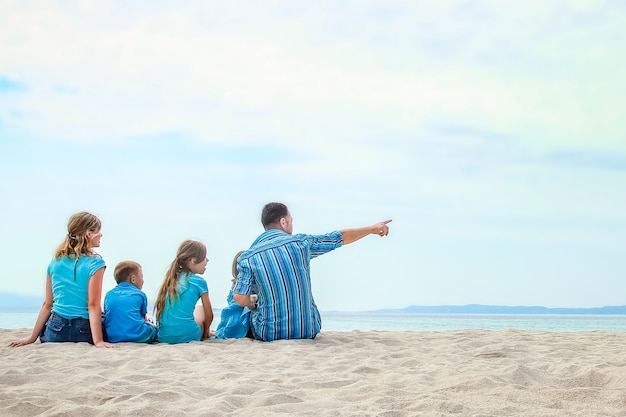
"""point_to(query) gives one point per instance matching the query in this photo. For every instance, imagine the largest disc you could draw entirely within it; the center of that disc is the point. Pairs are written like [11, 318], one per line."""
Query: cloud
[9, 86]
[227, 74]
[492, 133]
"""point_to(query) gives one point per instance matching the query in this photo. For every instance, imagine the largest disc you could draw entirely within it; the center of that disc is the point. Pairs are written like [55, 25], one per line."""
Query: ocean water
[339, 321]
[343, 321]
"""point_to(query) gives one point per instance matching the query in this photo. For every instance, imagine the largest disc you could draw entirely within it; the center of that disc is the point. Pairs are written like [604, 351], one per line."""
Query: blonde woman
[72, 309]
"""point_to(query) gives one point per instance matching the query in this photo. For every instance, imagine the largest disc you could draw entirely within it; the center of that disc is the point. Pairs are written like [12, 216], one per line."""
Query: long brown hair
[187, 251]
[234, 270]
[76, 240]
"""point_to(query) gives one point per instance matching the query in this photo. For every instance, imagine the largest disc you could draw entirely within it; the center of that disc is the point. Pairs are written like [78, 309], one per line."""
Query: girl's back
[178, 319]
[177, 323]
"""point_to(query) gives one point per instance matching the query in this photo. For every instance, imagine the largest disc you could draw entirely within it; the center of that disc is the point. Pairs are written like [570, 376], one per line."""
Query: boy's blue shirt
[125, 308]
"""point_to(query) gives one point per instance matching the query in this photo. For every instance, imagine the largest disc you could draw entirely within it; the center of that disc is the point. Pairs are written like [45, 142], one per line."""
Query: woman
[72, 310]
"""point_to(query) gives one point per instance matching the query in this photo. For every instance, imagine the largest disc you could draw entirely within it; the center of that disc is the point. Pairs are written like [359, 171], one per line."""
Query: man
[277, 269]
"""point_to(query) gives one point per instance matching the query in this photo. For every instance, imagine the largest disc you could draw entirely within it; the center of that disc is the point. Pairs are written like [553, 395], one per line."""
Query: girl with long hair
[234, 319]
[178, 318]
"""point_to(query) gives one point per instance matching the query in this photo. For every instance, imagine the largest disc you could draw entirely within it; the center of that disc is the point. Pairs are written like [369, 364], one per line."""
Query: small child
[126, 307]
[178, 318]
[235, 319]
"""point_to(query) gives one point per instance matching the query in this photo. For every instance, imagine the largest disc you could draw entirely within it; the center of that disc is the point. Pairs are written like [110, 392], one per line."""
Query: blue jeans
[60, 329]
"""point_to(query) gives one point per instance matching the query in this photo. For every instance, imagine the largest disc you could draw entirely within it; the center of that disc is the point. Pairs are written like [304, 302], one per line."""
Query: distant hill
[10, 302]
[488, 309]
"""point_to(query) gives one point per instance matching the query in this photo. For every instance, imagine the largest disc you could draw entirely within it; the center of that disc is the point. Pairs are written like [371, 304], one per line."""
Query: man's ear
[132, 278]
[283, 222]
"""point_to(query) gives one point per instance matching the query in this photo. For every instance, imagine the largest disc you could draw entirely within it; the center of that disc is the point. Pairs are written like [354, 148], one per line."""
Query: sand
[449, 373]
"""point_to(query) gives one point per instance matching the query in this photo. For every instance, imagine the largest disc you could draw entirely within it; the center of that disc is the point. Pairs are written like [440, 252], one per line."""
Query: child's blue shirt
[234, 320]
[125, 308]
[177, 324]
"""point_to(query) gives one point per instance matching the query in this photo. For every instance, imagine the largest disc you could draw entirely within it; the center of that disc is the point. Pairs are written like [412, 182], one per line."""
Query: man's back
[277, 268]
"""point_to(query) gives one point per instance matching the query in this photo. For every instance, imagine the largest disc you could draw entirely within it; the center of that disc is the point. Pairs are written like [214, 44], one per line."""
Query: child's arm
[208, 315]
[42, 318]
[246, 300]
[148, 319]
[144, 308]
[94, 300]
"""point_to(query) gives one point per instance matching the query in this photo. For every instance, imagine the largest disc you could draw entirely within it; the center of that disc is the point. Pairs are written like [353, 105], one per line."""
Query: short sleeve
[96, 263]
[200, 284]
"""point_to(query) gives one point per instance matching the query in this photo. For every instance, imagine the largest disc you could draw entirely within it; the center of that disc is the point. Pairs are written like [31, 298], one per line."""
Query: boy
[126, 307]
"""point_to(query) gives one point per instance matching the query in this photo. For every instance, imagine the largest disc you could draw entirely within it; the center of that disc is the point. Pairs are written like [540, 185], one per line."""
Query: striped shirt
[277, 268]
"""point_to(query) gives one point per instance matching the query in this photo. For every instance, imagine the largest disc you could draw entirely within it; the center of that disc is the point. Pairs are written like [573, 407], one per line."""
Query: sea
[362, 321]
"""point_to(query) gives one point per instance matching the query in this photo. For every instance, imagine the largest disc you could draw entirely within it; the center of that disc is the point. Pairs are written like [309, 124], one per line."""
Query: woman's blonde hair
[76, 240]
[188, 250]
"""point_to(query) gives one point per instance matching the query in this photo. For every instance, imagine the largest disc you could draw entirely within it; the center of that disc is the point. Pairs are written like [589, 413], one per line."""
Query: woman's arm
[42, 318]
[94, 305]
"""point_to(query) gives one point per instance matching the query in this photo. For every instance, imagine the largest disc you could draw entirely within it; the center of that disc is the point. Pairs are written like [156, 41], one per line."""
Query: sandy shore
[452, 373]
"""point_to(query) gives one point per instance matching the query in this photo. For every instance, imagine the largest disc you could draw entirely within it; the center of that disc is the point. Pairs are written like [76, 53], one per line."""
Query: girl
[235, 319]
[178, 319]
[72, 309]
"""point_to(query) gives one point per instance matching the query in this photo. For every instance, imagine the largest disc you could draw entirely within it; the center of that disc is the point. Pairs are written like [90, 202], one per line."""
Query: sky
[492, 133]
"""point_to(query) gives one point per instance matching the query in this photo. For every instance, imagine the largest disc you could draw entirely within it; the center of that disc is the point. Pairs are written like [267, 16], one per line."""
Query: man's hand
[381, 228]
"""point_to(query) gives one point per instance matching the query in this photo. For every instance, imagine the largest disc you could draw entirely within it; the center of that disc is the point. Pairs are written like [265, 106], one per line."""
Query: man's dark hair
[272, 213]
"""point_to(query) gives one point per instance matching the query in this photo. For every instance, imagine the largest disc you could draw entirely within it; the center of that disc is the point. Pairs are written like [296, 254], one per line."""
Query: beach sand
[448, 373]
